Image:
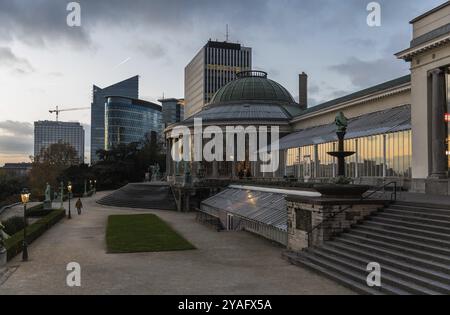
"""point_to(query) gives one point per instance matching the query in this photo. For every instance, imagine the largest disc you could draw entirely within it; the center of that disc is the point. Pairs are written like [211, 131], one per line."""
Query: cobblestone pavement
[223, 263]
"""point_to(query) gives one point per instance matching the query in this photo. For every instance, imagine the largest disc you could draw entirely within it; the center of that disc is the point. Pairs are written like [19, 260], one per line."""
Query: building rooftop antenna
[227, 36]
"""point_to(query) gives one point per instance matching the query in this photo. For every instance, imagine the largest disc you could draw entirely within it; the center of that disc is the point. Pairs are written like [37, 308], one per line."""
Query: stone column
[438, 159]
[168, 158]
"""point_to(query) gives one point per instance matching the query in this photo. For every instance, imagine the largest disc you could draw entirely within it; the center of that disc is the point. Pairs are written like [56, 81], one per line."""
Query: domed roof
[252, 86]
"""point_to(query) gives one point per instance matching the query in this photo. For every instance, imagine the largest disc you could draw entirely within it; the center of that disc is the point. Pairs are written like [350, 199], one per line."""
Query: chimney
[303, 90]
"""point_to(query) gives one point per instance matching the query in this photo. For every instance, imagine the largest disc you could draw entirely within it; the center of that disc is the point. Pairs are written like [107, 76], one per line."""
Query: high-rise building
[172, 110]
[126, 88]
[130, 120]
[47, 133]
[215, 65]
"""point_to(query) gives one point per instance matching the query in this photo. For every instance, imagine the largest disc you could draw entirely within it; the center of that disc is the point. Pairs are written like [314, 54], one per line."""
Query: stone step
[414, 277]
[437, 211]
[356, 274]
[418, 243]
[427, 263]
[406, 230]
[301, 259]
[420, 214]
[409, 224]
[414, 219]
[402, 280]
[422, 205]
[350, 251]
[425, 254]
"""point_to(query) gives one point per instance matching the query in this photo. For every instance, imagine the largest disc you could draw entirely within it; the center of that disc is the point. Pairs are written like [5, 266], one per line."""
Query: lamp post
[25, 198]
[85, 188]
[69, 189]
[90, 185]
[62, 195]
[95, 186]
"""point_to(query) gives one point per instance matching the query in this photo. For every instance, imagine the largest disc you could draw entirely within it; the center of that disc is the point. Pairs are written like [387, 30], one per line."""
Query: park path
[223, 263]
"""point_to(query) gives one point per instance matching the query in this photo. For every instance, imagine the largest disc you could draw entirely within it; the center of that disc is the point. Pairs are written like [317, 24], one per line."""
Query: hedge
[14, 243]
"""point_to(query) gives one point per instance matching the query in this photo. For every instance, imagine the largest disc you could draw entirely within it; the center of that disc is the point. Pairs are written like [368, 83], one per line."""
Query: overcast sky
[44, 62]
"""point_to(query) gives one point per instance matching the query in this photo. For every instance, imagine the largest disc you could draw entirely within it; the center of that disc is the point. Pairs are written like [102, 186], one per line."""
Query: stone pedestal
[305, 213]
[47, 205]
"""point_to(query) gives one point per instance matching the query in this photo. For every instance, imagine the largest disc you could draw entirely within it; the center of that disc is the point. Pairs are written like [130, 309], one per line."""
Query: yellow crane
[57, 110]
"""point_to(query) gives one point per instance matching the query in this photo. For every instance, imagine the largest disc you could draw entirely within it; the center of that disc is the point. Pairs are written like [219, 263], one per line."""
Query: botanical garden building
[399, 129]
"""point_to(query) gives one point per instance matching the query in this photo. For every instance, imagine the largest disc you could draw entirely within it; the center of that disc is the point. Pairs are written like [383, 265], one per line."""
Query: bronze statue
[341, 122]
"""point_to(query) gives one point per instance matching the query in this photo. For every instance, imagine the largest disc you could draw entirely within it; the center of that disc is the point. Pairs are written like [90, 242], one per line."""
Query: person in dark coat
[79, 206]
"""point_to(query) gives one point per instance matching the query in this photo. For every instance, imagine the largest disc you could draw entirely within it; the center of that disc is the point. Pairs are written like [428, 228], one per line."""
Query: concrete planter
[341, 191]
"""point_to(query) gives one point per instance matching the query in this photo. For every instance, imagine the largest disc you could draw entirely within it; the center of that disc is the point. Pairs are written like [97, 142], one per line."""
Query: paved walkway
[224, 263]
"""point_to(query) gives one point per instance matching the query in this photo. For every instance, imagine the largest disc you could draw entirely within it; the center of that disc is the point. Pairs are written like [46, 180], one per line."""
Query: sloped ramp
[142, 195]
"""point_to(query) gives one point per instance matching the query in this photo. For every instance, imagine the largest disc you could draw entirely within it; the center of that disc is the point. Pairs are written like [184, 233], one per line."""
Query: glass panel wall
[447, 116]
[387, 155]
[292, 161]
[306, 167]
[326, 166]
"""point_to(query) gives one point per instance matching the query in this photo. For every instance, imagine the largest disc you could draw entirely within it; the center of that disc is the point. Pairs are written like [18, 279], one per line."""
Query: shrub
[14, 243]
[13, 225]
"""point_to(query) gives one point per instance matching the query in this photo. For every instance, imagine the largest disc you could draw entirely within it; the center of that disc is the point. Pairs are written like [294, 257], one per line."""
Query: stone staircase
[142, 195]
[410, 241]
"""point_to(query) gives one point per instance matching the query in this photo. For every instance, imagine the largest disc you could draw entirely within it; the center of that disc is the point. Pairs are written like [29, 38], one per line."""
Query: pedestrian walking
[79, 206]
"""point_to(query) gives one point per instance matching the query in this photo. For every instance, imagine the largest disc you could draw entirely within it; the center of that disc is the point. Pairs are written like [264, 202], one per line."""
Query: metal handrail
[334, 214]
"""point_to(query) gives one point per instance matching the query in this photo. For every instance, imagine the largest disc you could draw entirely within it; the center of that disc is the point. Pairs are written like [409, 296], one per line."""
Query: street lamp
[69, 189]
[95, 186]
[25, 198]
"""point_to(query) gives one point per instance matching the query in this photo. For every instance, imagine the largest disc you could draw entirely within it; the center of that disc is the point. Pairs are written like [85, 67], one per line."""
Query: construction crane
[57, 110]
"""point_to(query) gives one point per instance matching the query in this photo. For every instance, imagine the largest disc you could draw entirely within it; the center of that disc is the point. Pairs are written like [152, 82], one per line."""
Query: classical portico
[429, 55]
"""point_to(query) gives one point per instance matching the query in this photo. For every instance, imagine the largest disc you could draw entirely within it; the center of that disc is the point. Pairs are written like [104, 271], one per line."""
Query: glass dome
[252, 86]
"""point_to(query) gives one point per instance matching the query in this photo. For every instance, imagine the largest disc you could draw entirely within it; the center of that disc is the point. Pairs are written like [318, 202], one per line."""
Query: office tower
[130, 120]
[126, 88]
[215, 65]
[172, 110]
[47, 133]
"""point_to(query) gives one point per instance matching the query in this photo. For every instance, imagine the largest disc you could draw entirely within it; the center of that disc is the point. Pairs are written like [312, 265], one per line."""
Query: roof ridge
[361, 93]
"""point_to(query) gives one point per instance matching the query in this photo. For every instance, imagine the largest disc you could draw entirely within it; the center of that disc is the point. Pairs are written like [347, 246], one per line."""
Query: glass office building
[172, 110]
[126, 88]
[47, 133]
[130, 120]
[216, 64]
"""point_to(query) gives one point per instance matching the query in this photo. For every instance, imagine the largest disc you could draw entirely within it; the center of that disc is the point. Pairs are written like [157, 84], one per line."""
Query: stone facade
[306, 213]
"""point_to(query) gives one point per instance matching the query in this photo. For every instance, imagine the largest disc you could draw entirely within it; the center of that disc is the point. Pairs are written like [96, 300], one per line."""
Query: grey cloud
[17, 64]
[366, 73]
[16, 137]
[43, 23]
[39, 23]
[152, 50]
[16, 128]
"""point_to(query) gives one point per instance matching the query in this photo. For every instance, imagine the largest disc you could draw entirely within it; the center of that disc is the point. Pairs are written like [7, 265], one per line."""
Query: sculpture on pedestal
[341, 129]
[48, 199]
[341, 187]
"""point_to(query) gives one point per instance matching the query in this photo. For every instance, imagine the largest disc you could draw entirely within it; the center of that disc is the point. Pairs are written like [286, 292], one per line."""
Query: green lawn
[142, 233]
